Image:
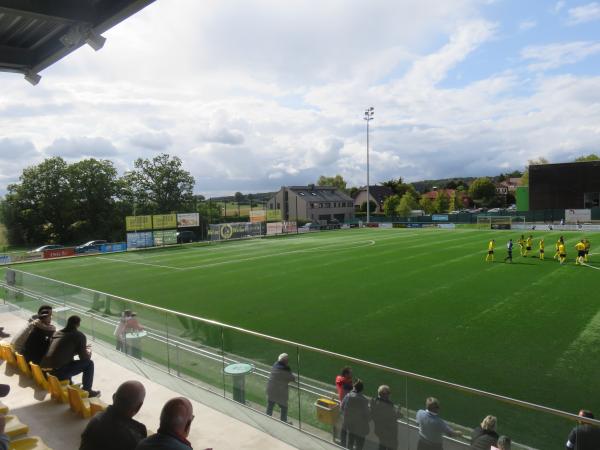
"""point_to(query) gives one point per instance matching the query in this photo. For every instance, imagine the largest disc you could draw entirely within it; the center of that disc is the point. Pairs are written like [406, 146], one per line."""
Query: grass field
[420, 300]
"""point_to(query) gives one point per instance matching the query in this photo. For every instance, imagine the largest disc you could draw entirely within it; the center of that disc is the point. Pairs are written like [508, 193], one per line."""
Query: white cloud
[80, 147]
[559, 6]
[585, 13]
[527, 25]
[552, 56]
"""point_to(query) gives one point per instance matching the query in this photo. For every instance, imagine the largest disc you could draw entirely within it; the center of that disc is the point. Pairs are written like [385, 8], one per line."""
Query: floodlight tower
[369, 113]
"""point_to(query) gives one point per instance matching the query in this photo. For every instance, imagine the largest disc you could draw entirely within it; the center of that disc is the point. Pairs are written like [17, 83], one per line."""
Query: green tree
[160, 185]
[426, 205]
[353, 191]
[590, 157]
[400, 188]
[407, 204]
[390, 204]
[532, 162]
[482, 191]
[441, 202]
[337, 181]
[239, 197]
[455, 201]
[372, 206]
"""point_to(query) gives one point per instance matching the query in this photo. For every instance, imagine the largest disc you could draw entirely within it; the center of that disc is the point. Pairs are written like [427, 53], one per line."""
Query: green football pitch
[422, 300]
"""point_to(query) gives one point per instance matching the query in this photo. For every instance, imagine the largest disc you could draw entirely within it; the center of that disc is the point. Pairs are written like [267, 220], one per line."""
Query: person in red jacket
[343, 384]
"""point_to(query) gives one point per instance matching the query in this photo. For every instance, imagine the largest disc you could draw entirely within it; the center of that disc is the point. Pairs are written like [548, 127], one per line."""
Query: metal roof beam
[16, 57]
[56, 10]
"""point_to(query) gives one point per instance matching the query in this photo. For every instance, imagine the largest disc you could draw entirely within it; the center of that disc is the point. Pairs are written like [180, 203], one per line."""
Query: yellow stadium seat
[85, 407]
[8, 353]
[58, 389]
[22, 364]
[3, 408]
[28, 443]
[38, 376]
[14, 427]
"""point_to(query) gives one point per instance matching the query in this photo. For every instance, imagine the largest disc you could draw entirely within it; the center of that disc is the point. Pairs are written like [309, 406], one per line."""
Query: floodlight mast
[369, 113]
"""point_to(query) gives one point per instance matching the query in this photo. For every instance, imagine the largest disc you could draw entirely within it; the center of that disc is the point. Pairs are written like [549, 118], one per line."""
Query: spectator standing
[432, 427]
[584, 436]
[115, 427]
[65, 344]
[504, 443]
[175, 422]
[355, 413]
[277, 386]
[485, 436]
[385, 418]
[127, 324]
[38, 341]
[4, 439]
[20, 338]
[343, 384]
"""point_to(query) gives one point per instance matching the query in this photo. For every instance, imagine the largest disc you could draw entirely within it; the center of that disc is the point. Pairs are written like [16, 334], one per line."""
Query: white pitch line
[139, 263]
[593, 267]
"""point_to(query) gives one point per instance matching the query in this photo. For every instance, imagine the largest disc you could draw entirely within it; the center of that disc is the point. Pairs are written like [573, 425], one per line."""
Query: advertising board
[578, 215]
[136, 223]
[188, 220]
[161, 221]
[258, 215]
[439, 217]
[59, 253]
[165, 237]
[236, 230]
[114, 247]
[140, 240]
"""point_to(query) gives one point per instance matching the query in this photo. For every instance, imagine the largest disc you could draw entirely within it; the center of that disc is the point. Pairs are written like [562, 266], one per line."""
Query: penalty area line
[592, 267]
[138, 263]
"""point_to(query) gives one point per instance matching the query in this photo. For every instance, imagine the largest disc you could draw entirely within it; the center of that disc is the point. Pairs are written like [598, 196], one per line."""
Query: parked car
[91, 246]
[310, 226]
[45, 247]
[185, 236]
[496, 210]
[333, 224]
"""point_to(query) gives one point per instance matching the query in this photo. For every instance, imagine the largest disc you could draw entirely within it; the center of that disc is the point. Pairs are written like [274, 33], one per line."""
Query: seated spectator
[485, 436]
[175, 422]
[4, 439]
[385, 418]
[504, 443]
[277, 386]
[115, 427]
[432, 427]
[65, 344]
[20, 338]
[355, 413]
[38, 341]
[584, 436]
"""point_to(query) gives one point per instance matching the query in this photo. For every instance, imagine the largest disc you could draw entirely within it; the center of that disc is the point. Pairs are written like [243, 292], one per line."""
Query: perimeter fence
[236, 364]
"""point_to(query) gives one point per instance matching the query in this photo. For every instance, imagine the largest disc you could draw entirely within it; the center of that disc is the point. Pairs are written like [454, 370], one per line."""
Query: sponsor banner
[273, 214]
[446, 225]
[116, 247]
[188, 220]
[4, 259]
[59, 253]
[439, 217]
[346, 226]
[385, 225]
[237, 230]
[135, 223]
[578, 215]
[164, 237]
[140, 240]
[160, 221]
[258, 215]
[373, 225]
[398, 225]
[545, 227]
[500, 226]
[415, 225]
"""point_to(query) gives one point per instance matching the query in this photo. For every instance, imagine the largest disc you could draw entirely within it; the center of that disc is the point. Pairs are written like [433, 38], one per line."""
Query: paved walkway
[61, 429]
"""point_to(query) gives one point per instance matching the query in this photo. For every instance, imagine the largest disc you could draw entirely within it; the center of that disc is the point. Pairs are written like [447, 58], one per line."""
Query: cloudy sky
[256, 94]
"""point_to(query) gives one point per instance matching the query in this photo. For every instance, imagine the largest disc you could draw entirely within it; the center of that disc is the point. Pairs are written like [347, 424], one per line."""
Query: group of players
[526, 245]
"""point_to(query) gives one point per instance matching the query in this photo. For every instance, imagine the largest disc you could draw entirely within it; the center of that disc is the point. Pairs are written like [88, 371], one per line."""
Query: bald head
[176, 416]
[129, 397]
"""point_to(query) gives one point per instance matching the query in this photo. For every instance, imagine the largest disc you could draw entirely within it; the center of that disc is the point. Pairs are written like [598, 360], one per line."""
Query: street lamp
[369, 113]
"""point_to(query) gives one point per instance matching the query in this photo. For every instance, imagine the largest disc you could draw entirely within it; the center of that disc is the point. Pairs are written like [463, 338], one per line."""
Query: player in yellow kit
[587, 249]
[528, 245]
[542, 249]
[557, 245]
[490, 253]
[562, 252]
[580, 246]
[521, 243]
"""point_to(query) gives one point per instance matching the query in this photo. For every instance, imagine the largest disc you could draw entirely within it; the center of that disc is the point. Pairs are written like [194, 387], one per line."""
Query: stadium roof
[34, 34]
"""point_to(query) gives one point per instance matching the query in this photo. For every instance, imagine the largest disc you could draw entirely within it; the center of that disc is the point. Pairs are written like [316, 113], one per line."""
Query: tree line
[60, 202]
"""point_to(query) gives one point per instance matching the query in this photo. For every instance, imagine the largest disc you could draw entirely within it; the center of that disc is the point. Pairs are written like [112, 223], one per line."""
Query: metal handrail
[405, 373]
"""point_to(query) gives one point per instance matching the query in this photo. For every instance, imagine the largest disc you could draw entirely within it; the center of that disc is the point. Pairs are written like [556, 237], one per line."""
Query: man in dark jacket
[584, 436]
[65, 344]
[20, 338]
[484, 436]
[355, 412]
[115, 427]
[277, 386]
[175, 422]
[38, 341]
[385, 418]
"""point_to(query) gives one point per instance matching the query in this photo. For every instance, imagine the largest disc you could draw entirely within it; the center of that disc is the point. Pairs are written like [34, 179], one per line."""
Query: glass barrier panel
[195, 352]
[250, 362]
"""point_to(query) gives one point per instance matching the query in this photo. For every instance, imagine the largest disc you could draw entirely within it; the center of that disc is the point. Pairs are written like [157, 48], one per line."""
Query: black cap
[4, 390]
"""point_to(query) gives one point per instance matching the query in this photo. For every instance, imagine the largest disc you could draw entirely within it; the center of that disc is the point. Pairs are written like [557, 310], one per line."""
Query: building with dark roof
[312, 203]
[377, 194]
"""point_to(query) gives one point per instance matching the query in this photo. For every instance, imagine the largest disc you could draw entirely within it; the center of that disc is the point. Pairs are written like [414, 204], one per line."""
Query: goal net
[498, 222]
